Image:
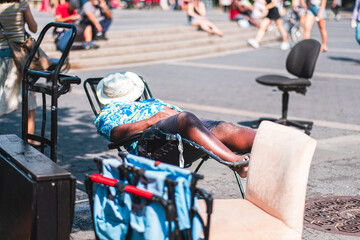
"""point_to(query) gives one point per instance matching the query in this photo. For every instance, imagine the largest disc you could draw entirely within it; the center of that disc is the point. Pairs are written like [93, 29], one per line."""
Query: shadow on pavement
[345, 59]
[78, 141]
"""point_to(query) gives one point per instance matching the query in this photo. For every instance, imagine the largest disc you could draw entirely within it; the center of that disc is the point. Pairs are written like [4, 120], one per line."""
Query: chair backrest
[302, 58]
[278, 172]
[90, 87]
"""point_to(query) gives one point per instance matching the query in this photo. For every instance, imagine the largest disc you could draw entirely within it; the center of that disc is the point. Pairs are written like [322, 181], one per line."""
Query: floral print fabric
[117, 113]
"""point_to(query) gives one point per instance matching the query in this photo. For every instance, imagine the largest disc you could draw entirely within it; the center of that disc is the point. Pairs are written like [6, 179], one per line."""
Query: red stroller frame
[169, 205]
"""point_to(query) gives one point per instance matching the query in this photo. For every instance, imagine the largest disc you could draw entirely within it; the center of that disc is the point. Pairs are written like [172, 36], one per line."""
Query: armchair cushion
[236, 219]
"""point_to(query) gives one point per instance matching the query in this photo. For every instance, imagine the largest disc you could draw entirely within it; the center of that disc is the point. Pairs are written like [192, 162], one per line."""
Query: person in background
[300, 10]
[118, 4]
[66, 13]
[196, 15]
[336, 4]
[316, 12]
[273, 15]
[225, 4]
[45, 6]
[13, 16]
[97, 14]
[355, 20]
[242, 10]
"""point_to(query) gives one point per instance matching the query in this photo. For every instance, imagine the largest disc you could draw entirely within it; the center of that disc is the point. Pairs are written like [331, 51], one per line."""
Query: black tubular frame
[59, 85]
[135, 137]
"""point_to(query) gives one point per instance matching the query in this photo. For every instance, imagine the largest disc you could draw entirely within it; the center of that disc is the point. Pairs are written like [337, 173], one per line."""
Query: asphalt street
[222, 87]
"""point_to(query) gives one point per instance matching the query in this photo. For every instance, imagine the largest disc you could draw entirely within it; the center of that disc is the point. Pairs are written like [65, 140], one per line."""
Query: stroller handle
[98, 178]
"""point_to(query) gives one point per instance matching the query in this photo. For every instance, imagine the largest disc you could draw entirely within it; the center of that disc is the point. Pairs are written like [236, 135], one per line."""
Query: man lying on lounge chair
[124, 114]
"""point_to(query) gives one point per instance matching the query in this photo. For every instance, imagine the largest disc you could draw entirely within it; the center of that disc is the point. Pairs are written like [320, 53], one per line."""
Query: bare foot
[34, 143]
[242, 170]
[220, 34]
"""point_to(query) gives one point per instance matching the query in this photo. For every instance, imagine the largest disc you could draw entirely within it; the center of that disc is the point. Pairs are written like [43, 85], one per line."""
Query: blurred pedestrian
[300, 9]
[316, 12]
[335, 6]
[97, 14]
[45, 6]
[225, 4]
[241, 11]
[273, 15]
[66, 13]
[55, 3]
[355, 21]
[196, 15]
[13, 15]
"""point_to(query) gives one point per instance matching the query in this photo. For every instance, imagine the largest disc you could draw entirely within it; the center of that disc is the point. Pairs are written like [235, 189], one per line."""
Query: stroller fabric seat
[122, 216]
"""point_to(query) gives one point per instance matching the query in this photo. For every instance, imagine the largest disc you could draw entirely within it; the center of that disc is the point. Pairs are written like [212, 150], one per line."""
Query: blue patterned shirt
[117, 113]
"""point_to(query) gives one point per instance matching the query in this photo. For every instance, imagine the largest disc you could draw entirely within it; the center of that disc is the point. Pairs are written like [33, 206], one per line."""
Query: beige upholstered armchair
[275, 189]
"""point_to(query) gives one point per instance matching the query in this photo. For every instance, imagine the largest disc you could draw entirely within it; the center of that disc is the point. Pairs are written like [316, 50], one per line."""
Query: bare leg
[323, 32]
[254, 22]
[207, 27]
[88, 33]
[279, 25]
[237, 139]
[263, 26]
[31, 125]
[191, 128]
[215, 29]
[309, 22]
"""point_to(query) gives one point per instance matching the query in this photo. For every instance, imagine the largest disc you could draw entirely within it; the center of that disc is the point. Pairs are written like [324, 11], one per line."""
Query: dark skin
[222, 141]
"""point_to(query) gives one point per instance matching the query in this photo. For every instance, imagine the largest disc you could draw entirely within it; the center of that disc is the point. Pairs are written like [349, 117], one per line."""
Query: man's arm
[125, 130]
[74, 17]
[271, 4]
[105, 8]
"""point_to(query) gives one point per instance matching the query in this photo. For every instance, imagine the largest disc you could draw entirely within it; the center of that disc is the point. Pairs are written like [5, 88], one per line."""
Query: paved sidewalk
[194, 83]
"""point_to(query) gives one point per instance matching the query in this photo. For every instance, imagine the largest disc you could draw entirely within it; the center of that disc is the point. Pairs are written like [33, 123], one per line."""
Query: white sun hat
[122, 86]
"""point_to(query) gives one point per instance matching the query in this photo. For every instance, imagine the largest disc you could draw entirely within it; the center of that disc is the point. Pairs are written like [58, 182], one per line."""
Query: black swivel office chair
[301, 63]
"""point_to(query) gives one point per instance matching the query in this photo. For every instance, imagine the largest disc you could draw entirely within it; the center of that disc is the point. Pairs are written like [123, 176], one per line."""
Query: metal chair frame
[300, 62]
[59, 85]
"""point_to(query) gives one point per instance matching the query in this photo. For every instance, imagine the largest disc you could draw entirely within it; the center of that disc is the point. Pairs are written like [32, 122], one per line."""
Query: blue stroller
[139, 198]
